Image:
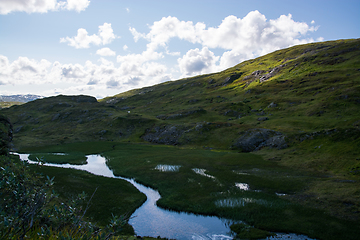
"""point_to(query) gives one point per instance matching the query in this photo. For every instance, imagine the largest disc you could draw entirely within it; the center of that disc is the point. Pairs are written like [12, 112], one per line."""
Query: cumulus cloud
[233, 40]
[22, 69]
[89, 78]
[240, 38]
[105, 52]
[197, 62]
[76, 5]
[83, 40]
[41, 6]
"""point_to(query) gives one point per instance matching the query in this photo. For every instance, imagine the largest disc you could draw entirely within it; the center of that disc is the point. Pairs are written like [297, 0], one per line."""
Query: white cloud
[95, 79]
[83, 40]
[233, 40]
[127, 10]
[105, 52]
[198, 62]
[243, 38]
[76, 5]
[41, 6]
[22, 70]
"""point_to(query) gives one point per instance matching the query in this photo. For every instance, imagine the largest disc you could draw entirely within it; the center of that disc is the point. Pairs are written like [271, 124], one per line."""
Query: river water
[150, 220]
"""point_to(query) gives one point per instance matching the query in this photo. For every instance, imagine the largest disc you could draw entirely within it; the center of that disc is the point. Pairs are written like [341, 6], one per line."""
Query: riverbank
[212, 183]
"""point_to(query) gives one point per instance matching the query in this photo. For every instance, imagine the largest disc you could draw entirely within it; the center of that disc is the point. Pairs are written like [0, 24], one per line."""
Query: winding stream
[150, 220]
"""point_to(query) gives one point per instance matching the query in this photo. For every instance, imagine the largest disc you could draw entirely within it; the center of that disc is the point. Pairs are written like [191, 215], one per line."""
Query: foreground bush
[30, 209]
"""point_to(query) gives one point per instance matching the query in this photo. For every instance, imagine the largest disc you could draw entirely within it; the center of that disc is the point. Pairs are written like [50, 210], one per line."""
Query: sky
[105, 47]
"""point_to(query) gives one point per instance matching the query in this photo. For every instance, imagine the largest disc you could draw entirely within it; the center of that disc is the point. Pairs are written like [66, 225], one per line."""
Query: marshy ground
[238, 186]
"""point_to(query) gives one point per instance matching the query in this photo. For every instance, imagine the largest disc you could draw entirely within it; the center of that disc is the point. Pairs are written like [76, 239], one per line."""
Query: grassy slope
[316, 89]
[9, 104]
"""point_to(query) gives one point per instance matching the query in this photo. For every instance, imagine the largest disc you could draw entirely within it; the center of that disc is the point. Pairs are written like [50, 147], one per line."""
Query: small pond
[150, 220]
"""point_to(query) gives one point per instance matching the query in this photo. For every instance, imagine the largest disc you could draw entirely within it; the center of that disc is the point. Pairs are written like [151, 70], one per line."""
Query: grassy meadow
[204, 182]
[310, 94]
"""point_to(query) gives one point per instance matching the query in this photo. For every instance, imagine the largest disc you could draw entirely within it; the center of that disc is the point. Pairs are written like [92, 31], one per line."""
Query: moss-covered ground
[310, 93]
[272, 201]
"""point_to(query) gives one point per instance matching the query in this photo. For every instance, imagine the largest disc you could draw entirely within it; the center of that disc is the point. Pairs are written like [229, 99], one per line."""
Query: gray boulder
[168, 134]
[272, 105]
[255, 139]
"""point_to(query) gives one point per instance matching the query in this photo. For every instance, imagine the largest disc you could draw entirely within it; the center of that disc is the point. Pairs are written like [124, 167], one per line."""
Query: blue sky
[104, 47]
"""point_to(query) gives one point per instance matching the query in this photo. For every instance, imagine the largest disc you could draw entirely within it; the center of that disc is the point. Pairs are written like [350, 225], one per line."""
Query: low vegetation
[296, 110]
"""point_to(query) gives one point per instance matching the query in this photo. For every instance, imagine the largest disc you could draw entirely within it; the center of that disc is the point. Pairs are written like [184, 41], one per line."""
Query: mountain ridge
[293, 90]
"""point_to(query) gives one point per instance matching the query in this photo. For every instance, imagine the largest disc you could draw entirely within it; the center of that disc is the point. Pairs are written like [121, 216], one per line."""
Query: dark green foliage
[244, 231]
[308, 94]
[6, 135]
[113, 196]
[29, 208]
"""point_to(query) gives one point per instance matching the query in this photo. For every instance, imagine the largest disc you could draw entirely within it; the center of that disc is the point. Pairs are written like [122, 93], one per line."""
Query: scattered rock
[181, 114]
[263, 119]
[272, 105]
[262, 113]
[257, 73]
[168, 134]
[232, 78]
[255, 139]
[126, 108]
[272, 73]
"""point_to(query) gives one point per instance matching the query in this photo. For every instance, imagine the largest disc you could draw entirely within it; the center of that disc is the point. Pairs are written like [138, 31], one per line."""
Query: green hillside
[298, 108]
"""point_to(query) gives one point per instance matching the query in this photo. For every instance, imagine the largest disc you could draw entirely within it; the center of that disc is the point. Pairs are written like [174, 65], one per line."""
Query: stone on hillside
[257, 73]
[232, 78]
[272, 105]
[211, 81]
[272, 73]
[169, 134]
[263, 119]
[255, 139]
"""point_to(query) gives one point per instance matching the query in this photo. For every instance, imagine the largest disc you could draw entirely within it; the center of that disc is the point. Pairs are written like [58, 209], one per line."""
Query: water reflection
[167, 168]
[150, 220]
[242, 186]
[202, 172]
[239, 202]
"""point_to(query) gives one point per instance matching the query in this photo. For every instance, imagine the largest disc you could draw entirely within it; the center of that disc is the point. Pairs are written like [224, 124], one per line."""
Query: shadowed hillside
[297, 106]
[296, 93]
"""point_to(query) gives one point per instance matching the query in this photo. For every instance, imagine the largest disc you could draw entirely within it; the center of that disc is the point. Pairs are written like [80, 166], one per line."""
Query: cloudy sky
[104, 47]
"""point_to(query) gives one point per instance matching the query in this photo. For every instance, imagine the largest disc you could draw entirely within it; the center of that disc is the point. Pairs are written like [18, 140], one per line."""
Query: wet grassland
[237, 186]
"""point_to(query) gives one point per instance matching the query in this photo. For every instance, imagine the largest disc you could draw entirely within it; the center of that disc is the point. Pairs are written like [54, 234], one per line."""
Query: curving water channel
[150, 220]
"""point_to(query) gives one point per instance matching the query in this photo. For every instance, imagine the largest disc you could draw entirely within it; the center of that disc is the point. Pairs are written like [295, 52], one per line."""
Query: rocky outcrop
[166, 134]
[262, 76]
[255, 139]
[272, 73]
[232, 78]
[181, 114]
